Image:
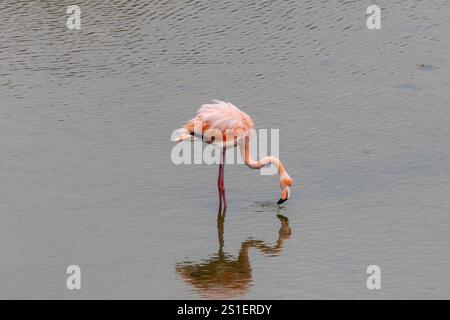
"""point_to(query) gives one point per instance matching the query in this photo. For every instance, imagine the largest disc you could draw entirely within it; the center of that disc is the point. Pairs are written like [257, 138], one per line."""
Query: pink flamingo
[226, 126]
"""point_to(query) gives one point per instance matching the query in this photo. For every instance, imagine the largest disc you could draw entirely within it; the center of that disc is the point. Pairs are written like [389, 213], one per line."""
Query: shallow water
[85, 124]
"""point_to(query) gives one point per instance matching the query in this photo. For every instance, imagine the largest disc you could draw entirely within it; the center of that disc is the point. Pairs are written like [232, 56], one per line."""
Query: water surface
[85, 170]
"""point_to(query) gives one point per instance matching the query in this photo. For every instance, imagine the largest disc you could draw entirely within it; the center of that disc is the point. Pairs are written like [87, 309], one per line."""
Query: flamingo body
[219, 117]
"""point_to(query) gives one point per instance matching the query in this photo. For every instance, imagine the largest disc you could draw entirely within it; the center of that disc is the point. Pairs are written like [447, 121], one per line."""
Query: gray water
[86, 176]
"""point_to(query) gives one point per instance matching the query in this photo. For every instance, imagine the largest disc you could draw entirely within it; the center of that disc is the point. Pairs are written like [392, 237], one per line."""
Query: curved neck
[245, 151]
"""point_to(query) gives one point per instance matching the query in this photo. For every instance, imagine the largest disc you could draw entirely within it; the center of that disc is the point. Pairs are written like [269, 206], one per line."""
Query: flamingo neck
[245, 151]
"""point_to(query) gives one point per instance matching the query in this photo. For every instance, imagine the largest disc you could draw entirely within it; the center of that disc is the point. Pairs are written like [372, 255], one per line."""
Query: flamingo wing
[220, 116]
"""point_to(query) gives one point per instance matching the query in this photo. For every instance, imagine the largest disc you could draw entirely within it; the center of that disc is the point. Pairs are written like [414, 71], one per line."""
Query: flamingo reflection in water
[224, 276]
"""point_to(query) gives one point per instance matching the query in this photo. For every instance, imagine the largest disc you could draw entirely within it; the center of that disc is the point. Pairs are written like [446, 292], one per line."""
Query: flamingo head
[285, 184]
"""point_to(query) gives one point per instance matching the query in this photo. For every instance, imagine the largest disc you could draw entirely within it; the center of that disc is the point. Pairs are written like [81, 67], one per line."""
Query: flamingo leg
[223, 182]
[219, 186]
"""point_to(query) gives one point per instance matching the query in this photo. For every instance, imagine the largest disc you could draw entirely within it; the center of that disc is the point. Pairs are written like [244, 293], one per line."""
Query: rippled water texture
[86, 176]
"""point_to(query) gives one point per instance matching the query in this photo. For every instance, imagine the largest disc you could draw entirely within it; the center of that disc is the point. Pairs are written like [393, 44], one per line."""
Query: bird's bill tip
[281, 201]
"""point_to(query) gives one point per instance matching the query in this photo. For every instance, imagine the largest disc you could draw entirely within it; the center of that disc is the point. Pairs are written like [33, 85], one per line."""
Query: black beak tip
[281, 201]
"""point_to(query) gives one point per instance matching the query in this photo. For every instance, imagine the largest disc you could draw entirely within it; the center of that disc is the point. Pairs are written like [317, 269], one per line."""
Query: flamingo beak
[284, 195]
